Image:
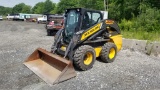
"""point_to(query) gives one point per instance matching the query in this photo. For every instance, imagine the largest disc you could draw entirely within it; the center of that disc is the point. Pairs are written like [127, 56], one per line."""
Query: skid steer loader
[86, 35]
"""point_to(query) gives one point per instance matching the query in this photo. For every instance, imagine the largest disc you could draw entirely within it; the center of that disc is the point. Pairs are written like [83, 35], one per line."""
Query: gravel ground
[130, 71]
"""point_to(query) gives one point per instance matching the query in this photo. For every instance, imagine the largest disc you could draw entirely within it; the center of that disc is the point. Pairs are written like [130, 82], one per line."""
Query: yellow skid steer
[86, 35]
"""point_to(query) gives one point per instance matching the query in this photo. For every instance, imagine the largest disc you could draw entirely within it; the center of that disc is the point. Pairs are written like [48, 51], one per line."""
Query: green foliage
[38, 8]
[149, 20]
[53, 11]
[64, 4]
[126, 25]
[146, 21]
[153, 3]
[92, 4]
[44, 7]
[120, 9]
[26, 9]
[18, 8]
[5, 10]
[48, 6]
[114, 12]
[142, 35]
[21, 8]
[145, 26]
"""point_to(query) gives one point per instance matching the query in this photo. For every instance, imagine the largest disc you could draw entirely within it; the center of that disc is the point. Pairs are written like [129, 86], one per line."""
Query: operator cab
[79, 19]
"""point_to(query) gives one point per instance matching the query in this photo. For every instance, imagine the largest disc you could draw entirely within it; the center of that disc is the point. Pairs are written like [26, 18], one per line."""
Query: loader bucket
[50, 67]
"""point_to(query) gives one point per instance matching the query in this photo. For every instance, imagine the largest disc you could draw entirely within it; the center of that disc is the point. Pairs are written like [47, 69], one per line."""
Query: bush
[145, 26]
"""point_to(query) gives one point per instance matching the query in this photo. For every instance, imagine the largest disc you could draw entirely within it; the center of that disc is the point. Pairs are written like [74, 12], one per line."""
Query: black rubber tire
[104, 55]
[79, 55]
[48, 32]
[54, 32]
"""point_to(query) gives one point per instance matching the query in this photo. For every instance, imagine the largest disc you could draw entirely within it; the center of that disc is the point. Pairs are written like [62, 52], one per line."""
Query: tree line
[118, 9]
[40, 8]
[131, 14]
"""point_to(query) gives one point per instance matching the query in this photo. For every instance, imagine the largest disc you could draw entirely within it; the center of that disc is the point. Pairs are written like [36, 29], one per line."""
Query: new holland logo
[91, 31]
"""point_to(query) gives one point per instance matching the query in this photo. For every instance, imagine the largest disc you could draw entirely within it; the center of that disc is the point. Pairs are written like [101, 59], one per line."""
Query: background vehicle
[10, 16]
[87, 34]
[1, 18]
[42, 19]
[54, 23]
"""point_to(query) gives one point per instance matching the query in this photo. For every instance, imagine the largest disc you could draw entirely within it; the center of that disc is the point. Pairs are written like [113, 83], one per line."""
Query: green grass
[142, 35]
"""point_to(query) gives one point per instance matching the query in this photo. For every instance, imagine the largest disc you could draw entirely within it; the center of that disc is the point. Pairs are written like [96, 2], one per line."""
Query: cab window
[90, 19]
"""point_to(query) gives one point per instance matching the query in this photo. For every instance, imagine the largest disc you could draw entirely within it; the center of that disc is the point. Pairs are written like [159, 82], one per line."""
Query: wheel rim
[112, 53]
[88, 58]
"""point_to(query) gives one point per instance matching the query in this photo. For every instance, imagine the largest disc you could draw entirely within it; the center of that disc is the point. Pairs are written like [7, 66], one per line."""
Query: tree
[64, 4]
[92, 4]
[18, 8]
[5, 10]
[114, 11]
[48, 6]
[26, 9]
[44, 7]
[38, 8]
[2, 10]
[124, 9]
[53, 11]
[153, 3]
[21, 8]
